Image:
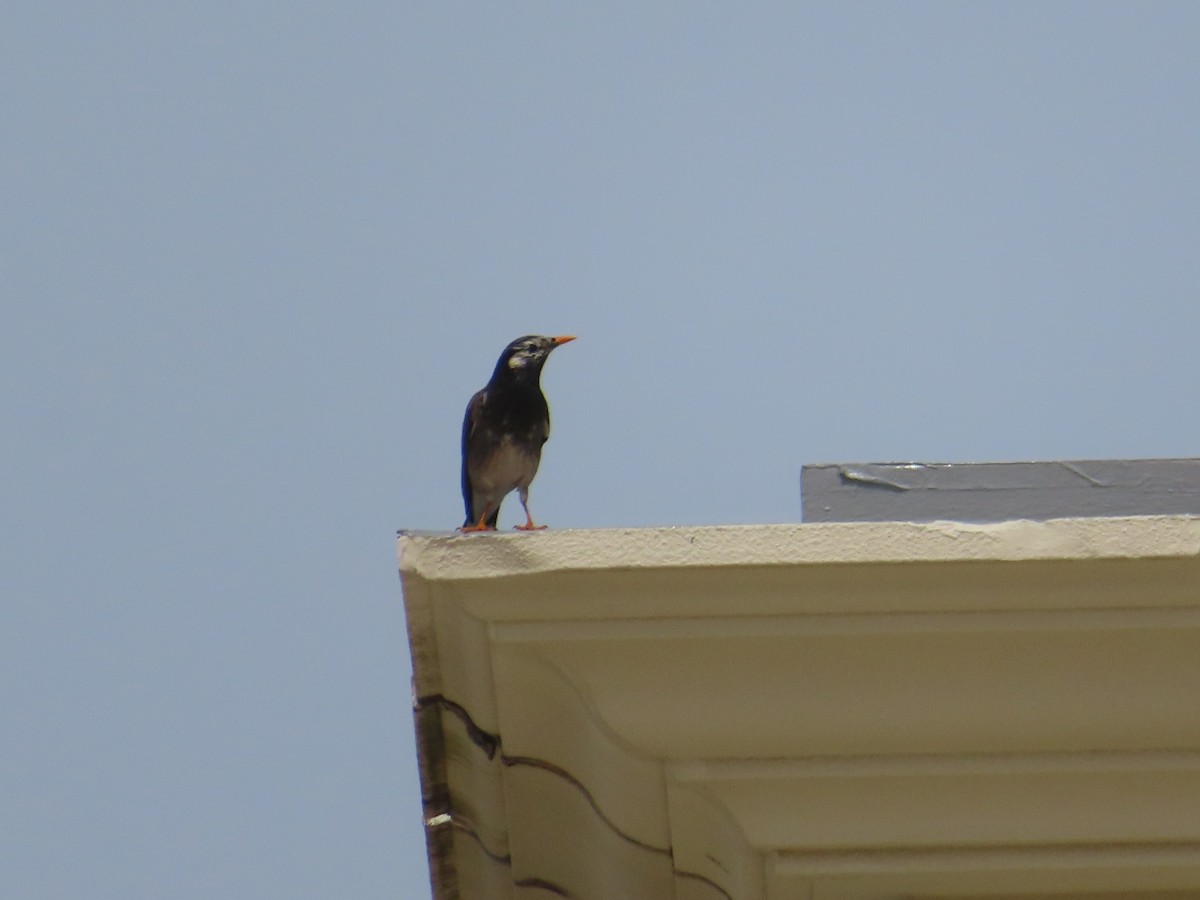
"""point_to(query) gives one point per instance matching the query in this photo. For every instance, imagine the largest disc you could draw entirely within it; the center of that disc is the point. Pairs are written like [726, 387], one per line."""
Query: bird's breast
[512, 463]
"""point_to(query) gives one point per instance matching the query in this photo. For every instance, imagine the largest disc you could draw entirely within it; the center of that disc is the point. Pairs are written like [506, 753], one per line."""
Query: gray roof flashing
[998, 492]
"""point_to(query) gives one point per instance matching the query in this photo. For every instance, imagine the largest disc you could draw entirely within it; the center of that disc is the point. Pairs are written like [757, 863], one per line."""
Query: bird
[505, 426]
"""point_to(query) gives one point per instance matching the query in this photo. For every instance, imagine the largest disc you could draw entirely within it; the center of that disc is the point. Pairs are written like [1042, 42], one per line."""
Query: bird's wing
[468, 430]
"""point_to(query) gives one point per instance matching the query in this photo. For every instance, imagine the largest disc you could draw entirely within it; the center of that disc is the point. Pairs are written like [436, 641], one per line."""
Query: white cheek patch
[518, 361]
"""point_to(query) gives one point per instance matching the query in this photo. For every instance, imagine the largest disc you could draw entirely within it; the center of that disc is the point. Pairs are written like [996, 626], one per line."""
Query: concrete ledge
[497, 555]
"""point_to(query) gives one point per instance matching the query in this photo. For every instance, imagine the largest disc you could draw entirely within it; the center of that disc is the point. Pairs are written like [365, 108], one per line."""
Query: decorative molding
[1011, 711]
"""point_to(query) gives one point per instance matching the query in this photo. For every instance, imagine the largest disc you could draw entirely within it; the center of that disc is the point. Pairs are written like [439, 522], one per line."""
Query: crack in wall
[504, 859]
[486, 741]
[546, 766]
[544, 885]
[491, 745]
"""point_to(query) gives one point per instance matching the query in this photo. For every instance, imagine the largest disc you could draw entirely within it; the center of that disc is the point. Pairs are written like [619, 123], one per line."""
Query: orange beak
[563, 339]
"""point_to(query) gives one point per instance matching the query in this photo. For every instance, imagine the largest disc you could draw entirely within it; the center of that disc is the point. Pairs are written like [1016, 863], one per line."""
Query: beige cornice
[860, 710]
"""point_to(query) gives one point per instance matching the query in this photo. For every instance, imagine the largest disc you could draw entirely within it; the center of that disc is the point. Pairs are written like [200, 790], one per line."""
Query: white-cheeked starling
[503, 432]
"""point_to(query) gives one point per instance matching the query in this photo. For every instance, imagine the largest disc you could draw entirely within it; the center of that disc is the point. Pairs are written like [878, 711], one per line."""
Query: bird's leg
[481, 525]
[528, 526]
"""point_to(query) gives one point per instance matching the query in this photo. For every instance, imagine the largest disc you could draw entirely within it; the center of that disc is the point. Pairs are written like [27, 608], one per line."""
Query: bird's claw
[529, 526]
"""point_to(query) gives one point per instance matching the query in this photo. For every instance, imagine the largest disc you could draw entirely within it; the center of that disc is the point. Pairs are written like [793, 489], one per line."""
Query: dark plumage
[503, 431]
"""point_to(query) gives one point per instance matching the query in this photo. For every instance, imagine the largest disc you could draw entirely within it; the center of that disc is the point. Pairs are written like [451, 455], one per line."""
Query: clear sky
[256, 257]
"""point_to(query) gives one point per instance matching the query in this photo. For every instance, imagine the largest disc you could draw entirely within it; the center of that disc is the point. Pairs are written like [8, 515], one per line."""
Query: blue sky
[257, 257]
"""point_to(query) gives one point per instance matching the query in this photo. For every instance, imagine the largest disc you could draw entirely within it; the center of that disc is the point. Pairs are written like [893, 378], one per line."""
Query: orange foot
[467, 529]
[529, 526]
